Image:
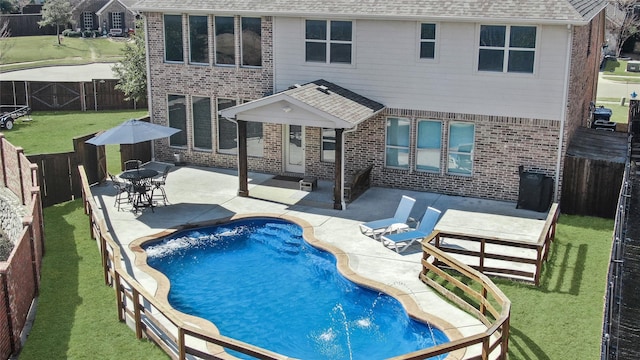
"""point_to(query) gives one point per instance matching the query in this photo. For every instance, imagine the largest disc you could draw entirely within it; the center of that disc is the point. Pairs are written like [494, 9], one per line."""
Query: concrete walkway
[204, 194]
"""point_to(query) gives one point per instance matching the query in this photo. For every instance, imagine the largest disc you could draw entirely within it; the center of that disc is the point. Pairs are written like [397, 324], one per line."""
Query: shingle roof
[335, 100]
[541, 11]
[333, 105]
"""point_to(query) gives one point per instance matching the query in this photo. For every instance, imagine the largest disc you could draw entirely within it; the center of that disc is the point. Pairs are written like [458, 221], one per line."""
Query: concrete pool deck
[198, 194]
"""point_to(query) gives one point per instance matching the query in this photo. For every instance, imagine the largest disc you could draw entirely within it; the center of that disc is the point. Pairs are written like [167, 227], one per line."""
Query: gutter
[563, 116]
[149, 97]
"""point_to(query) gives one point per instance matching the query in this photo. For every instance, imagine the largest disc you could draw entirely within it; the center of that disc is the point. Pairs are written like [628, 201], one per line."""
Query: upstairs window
[198, 40]
[427, 41]
[507, 48]
[251, 42]
[225, 40]
[328, 41]
[173, 38]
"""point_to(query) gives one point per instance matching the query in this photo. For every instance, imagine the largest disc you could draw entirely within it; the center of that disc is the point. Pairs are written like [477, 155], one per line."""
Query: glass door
[294, 149]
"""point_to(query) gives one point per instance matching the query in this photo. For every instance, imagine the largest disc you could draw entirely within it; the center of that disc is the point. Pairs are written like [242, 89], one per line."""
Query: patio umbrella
[132, 132]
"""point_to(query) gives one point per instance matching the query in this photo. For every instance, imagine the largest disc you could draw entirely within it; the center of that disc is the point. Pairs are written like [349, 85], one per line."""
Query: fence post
[5, 289]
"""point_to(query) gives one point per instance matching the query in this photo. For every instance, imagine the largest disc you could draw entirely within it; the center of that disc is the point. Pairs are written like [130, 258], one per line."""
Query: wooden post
[119, 296]
[337, 184]
[182, 351]
[243, 189]
[136, 312]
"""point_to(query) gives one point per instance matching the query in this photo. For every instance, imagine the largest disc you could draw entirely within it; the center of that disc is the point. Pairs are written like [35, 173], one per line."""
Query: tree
[132, 69]
[625, 21]
[5, 33]
[21, 4]
[58, 13]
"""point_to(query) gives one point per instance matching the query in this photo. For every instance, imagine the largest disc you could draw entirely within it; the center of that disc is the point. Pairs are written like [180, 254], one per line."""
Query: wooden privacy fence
[95, 95]
[504, 247]
[20, 274]
[152, 319]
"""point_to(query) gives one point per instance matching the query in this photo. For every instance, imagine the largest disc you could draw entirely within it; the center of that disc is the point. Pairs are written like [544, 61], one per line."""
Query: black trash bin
[601, 114]
[535, 191]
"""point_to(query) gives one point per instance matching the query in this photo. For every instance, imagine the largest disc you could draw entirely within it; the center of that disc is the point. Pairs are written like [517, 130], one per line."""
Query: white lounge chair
[401, 241]
[399, 220]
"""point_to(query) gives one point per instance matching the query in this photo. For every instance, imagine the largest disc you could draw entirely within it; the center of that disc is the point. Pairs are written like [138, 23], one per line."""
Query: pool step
[279, 239]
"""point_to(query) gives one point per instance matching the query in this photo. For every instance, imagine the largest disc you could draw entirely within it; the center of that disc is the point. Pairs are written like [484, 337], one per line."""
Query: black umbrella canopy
[132, 132]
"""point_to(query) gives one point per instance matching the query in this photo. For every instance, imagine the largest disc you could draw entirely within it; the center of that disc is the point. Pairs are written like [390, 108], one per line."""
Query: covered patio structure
[317, 104]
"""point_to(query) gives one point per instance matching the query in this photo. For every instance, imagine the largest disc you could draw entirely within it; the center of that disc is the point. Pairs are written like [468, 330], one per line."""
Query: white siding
[387, 69]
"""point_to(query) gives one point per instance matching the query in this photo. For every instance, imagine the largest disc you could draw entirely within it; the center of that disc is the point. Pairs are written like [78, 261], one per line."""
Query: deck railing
[152, 319]
[541, 248]
[488, 304]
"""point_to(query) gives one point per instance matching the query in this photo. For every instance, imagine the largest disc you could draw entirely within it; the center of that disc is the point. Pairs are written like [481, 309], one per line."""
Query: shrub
[71, 33]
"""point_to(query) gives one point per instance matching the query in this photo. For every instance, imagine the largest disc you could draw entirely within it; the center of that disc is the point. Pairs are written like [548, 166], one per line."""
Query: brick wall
[502, 143]
[20, 274]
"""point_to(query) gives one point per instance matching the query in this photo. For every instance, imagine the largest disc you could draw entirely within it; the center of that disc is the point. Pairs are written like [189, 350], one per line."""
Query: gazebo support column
[243, 187]
[337, 186]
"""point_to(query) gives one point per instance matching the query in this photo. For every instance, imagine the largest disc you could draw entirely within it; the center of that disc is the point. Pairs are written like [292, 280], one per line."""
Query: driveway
[66, 73]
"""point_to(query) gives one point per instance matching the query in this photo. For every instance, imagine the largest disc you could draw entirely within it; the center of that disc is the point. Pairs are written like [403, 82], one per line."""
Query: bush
[71, 33]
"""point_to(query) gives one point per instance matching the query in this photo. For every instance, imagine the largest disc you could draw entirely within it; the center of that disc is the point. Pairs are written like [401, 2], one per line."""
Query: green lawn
[76, 316]
[52, 132]
[44, 51]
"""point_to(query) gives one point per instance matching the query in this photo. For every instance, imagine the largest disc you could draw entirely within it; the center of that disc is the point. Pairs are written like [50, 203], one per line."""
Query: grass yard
[76, 316]
[52, 132]
[37, 51]
[616, 69]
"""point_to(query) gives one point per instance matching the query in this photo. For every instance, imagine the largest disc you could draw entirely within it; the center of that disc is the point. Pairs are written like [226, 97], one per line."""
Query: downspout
[149, 98]
[563, 115]
[344, 204]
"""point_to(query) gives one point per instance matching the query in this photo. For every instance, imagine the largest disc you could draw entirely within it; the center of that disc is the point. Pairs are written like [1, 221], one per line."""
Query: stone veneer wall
[11, 214]
[502, 143]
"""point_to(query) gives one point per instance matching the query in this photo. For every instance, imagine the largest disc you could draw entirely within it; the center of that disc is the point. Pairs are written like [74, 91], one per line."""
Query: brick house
[104, 15]
[440, 96]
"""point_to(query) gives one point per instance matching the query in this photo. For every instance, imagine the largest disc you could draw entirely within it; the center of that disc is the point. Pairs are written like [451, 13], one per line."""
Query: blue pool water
[259, 282]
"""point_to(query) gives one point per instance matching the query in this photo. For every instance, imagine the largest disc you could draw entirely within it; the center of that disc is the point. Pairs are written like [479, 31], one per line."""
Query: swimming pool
[259, 282]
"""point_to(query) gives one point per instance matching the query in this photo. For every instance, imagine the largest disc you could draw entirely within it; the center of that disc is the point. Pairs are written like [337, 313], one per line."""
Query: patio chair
[158, 184]
[402, 240]
[123, 191]
[398, 221]
[132, 165]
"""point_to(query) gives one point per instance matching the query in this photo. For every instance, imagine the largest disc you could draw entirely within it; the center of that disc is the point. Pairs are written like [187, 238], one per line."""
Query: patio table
[141, 183]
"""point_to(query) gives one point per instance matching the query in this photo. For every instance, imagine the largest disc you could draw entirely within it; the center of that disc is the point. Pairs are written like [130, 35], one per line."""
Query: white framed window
[87, 20]
[427, 41]
[198, 39]
[173, 38]
[397, 143]
[461, 146]
[227, 130]
[116, 20]
[201, 112]
[507, 48]
[177, 108]
[328, 41]
[328, 145]
[428, 145]
[251, 41]
[225, 40]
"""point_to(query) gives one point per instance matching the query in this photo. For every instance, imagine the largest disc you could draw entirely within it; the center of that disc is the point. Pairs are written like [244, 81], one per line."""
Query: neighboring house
[442, 96]
[104, 15]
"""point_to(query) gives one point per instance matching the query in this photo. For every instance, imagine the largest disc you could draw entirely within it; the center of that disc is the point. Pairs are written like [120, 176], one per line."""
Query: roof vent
[323, 88]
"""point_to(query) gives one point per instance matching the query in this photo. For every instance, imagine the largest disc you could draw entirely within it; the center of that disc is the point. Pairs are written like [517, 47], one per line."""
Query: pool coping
[412, 308]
